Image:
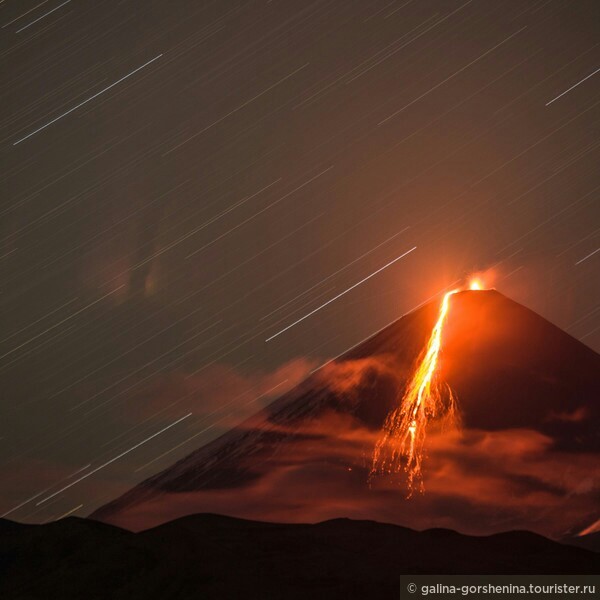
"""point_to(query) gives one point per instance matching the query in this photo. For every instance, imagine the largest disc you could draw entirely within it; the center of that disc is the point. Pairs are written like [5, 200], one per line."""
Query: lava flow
[401, 446]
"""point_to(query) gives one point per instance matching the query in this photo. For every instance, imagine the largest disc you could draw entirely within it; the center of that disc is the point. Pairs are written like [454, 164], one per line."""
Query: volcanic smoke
[402, 443]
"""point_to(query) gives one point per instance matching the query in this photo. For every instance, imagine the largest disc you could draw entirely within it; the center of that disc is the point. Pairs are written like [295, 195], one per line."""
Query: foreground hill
[214, 557]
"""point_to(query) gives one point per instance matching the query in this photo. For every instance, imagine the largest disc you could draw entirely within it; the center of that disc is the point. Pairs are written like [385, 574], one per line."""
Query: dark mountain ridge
[212, 556]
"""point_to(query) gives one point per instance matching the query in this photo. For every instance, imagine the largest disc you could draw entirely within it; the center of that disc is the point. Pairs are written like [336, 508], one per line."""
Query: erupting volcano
[405, 427]
[526, 455]
[426, 400]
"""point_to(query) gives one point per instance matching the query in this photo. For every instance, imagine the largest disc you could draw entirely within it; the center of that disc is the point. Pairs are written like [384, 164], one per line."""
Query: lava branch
[402, 444]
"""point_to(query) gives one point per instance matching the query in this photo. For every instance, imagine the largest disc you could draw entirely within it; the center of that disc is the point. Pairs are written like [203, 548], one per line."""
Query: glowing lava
[475, 285]
[402, 444]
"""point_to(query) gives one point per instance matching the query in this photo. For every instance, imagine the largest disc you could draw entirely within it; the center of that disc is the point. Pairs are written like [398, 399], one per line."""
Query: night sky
[183, 181]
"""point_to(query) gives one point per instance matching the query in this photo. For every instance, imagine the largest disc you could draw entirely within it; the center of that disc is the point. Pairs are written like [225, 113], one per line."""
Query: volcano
[526, 454]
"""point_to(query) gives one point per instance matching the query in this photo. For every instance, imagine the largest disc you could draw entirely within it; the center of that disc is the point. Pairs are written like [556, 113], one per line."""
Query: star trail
[204, 202]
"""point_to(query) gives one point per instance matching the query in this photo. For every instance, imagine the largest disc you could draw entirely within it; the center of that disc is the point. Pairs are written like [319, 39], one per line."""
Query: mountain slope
[527, 455]
[591, 541]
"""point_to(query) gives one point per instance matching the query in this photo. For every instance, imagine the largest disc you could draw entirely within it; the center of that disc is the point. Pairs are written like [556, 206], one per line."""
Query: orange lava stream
[402, 444]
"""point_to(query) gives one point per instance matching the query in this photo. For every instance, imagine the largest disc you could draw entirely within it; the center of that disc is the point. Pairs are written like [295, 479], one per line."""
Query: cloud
[216, 391]
[575, 416]
[476, 482]
[311, 462]
[349, 376]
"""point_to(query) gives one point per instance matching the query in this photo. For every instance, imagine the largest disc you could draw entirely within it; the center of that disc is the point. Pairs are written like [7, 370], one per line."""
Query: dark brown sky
[183, 180]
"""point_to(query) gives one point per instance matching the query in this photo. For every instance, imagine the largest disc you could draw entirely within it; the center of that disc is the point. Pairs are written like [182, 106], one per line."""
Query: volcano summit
[526, 454]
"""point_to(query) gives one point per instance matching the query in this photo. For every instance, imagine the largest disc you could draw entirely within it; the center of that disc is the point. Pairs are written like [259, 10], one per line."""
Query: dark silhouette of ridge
[211, 556]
